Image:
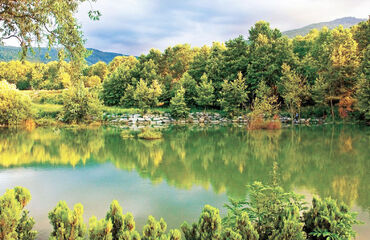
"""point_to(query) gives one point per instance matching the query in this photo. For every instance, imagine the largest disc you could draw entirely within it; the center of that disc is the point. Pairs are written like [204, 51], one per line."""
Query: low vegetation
[270, 213]
[150, 134]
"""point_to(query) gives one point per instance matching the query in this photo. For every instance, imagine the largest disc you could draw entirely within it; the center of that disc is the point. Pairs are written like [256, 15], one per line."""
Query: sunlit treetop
[36, 21]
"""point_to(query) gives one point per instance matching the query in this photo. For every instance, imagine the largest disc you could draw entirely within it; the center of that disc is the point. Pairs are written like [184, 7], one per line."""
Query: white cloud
[135, 26]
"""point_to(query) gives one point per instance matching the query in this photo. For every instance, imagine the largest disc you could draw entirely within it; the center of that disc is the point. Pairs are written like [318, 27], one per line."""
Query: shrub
[150, 134]
[80, 106]
[67, 224]
[14, 220]
[100, 230]
[15, 106]
[328, 219]
[274, 214]
[178, 105]
[208, 226]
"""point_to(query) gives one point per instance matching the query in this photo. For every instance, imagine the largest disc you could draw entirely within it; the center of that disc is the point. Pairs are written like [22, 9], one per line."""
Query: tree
[205, 89]
[190, 86]
[293, 90]
[234, 95]
[146, 97]
[67, 224]
[29, 21]
[116, 83]
[15, 106]
[363, 97]
[80, 105]
[14, 220]
[236, 57]
[267, 52]
[178, 105]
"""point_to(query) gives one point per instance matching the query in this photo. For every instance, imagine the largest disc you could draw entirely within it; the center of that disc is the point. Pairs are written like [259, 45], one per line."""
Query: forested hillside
[346, 22]
[8, 53]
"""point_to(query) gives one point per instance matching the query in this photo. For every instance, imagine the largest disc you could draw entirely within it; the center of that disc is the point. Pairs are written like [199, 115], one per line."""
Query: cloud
[135, 26]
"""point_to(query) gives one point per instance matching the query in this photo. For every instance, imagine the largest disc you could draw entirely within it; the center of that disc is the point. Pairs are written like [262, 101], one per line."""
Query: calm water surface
[175, 177]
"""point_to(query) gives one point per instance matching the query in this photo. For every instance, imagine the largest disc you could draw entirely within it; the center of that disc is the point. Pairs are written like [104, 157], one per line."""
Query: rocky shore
[194, 118]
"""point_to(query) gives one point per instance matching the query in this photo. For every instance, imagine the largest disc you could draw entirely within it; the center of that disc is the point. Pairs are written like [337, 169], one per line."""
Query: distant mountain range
[12, 53]
[346, 22]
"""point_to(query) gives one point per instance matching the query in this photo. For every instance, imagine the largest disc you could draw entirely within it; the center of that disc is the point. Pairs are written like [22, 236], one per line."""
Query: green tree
[116, 83]
[29, 21]
[236, 57]
[67, 224]
[234, 95]
[363, 97]
[205, 92]
[293, 90]
[267, 52]
[146, 97]
[80, 105]
[190, 86]
[14, 220]
[15, 106]
[178, 105]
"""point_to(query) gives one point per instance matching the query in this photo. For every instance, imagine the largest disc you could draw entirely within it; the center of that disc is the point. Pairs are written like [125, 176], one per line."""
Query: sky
[133, 27]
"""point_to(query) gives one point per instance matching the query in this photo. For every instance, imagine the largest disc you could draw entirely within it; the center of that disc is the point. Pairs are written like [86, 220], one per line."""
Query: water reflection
[331, 161]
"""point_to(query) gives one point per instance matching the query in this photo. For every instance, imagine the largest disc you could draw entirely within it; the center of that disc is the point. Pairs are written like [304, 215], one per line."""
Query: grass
[150, 134]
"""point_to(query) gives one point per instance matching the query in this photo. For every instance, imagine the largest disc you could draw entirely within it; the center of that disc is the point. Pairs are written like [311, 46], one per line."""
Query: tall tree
[234, 95]
[293, 89]
[205, 90]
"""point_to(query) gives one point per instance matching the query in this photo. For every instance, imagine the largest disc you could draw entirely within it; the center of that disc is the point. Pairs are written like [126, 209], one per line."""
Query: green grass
[121, 110]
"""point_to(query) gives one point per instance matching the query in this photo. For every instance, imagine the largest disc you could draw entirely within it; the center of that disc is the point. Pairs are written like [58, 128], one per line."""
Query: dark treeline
[327, 69]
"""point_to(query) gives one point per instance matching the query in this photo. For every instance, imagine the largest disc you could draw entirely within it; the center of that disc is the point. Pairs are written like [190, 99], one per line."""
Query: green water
[175, 177]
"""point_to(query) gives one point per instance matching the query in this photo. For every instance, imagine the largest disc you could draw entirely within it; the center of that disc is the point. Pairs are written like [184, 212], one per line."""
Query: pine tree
[205, 92]
[234, 95]
[178, 106]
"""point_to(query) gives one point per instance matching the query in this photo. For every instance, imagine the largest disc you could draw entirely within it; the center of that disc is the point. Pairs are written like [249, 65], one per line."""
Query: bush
[14, 220]
[150, 134]
[80, 106]
[328, 219]
[15, 106]
[67, 224]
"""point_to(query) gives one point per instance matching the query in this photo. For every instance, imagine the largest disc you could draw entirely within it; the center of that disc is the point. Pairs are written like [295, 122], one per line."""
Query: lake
[191, 166]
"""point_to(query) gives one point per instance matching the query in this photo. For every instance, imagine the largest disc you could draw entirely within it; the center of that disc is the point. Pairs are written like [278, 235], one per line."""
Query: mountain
[346, 22]
[8, 53]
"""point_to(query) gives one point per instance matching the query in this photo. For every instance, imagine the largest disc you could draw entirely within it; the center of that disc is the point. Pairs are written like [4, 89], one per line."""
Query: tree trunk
[332, 108]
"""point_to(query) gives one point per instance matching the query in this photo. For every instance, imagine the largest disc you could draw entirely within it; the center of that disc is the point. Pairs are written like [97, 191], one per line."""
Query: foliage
[208, 226]
[67, 223]
[205, 90]
[14, 220]
[32, 21]
[293, 89]
[116, 83]
[146, 97]
[80, 105]
[178, 105]
[100, 230]
[234, 95]
[150, 134]
[15, 106]
[328, 219]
